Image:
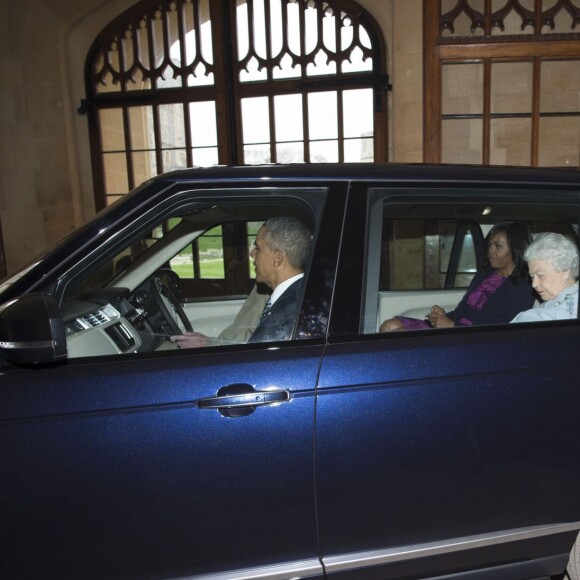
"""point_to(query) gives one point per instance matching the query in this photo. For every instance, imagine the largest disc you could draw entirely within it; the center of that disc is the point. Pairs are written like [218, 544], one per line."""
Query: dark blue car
[340, 452]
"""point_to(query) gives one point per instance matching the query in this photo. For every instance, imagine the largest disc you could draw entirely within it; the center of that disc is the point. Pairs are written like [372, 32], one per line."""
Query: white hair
[557, 249]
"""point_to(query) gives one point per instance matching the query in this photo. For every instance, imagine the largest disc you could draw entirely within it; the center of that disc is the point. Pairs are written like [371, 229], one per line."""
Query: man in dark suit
[280, 255]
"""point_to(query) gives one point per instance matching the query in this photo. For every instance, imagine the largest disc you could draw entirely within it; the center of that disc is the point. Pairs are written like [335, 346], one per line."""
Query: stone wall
[35, 187]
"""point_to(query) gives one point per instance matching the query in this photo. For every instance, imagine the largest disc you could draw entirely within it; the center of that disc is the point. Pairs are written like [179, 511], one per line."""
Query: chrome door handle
[254, 399]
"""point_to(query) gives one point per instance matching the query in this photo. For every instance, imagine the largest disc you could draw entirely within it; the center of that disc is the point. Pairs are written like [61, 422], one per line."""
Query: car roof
[412, 175]
[415, 173]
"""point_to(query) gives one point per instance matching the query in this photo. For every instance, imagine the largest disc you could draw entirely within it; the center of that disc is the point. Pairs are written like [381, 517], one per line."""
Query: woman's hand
[438, 318]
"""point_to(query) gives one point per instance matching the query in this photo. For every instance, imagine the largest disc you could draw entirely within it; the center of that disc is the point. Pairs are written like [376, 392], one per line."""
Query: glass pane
[144, 53]
[255, 121]
[190, 48]
[112, 134]
[242, 28]
[462, 89]
[205, 156]
[138, 83]
[108, 85]
[359, 150]
[182, 263]
[358, 113]
[356, 62]
[311, 30]
[211, 254]
[252, 72]
[324, 152]
[203, 123]
[322, 115]
[276, 28]
[287, 69]
[322, 65]
[560, 90]
[511, 87]
[461, 141]
[115, 167]
[172, 36]
[251, 233]
[560, 142]
[256, 154]
[290, 152]
[467, 260]
[259, 30]
[141, 125]
[511, 141]
[288, 117]
[293, 11]
[329, 30]
[251, 40]
[172, 126]
[168, 79]
[201, 77]
[174, 159]
[144, 166]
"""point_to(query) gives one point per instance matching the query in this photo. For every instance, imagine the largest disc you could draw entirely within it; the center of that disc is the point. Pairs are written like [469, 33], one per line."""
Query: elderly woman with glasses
[553, 267]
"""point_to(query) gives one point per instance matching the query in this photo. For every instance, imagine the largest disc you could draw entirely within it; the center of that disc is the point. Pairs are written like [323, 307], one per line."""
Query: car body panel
[420, 455]
[121, 474]
[481, 441]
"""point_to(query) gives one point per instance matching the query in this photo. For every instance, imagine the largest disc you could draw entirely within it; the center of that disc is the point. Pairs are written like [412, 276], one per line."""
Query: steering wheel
[169, 307]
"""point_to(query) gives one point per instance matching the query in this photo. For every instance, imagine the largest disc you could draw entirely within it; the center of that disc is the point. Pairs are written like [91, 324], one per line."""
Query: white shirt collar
[281, 288]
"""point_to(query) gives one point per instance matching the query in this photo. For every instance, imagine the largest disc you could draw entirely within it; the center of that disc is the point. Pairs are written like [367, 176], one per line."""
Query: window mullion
[128, 149]
[187, 133]
[224, 35]
[340, 124]
[305, 129]
[151, 50]
[272, 120]
[536, 87]
[182, 42]
[486, 129]
[157, 140]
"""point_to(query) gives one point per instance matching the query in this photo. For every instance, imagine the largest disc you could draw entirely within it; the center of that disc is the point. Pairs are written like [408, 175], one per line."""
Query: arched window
[178, 83]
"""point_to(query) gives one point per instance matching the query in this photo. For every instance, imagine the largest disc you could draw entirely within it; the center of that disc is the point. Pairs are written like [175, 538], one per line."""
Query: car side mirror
[32, 330]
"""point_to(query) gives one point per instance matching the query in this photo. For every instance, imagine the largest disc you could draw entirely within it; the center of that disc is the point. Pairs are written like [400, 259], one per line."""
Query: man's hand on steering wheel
[168, 305]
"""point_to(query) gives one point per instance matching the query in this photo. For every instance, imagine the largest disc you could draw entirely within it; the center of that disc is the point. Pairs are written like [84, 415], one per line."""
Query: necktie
[266, 310]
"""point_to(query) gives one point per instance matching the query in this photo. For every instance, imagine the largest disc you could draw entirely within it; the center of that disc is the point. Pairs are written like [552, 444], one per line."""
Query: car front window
[189, 273]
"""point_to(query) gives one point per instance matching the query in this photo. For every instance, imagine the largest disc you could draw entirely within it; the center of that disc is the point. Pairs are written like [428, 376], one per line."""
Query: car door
[445, 451]
[169, 464]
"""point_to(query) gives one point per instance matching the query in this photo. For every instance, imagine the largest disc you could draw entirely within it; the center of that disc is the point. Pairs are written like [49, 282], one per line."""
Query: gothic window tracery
[178, 83]
[494, 18]
[503, 82]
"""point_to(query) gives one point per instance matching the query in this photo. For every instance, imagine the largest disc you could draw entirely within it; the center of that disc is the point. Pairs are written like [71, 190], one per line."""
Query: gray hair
[291, 237]
[557, 249]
